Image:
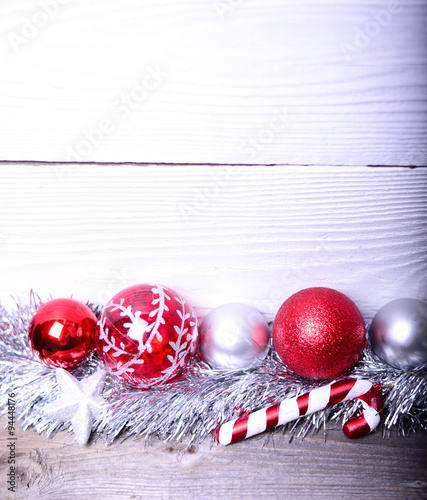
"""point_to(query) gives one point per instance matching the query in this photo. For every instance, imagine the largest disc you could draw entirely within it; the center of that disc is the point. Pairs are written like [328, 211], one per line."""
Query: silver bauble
[398, 333]
[233, 336]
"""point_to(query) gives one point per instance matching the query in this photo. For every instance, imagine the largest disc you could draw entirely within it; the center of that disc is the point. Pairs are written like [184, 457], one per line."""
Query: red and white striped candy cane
[310, 402]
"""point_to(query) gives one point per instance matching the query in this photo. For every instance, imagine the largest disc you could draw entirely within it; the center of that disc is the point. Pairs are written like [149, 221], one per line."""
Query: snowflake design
[137, 327]
[181, 347]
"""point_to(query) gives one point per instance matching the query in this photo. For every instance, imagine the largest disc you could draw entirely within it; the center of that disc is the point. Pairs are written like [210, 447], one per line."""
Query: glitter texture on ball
[319, 333]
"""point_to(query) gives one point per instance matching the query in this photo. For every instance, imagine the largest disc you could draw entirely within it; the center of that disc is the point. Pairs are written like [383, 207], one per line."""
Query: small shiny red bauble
[147, 335]
[62, 333]
[319, 333]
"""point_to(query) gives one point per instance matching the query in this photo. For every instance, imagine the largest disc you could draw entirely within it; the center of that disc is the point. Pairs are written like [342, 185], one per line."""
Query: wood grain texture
[264, 467]
[217, 235]
[296, 82]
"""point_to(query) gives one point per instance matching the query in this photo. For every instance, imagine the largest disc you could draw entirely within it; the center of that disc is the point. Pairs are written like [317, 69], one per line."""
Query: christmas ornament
[148, 333]
[318, 399]
[373, 405]
[80, 402]
[233, 336]
[62, 333]
[192, 406]
[319, 333]
[398, 333]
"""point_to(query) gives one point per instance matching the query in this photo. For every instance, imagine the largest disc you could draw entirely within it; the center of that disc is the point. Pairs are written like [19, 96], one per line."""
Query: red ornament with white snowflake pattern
[147, 335]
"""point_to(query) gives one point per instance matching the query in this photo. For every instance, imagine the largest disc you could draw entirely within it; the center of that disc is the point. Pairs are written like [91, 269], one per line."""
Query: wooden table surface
[269, 466]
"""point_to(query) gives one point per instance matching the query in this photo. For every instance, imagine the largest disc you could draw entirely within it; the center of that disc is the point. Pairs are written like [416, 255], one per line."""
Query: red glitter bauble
[147, 335]
[319, 333]
[62, 333]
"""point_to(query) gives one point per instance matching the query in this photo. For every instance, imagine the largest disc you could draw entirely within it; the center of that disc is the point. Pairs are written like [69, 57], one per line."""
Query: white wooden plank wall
[231, 233]
[195, 99]
[214, 81]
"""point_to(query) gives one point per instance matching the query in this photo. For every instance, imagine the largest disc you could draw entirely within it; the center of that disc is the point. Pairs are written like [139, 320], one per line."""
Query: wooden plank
[252, 234]
[224, 81]
[263, 467]
[217, 235]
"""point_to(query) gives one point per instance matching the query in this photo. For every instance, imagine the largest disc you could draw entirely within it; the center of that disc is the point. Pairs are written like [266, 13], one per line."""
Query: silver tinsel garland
[194, 406]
